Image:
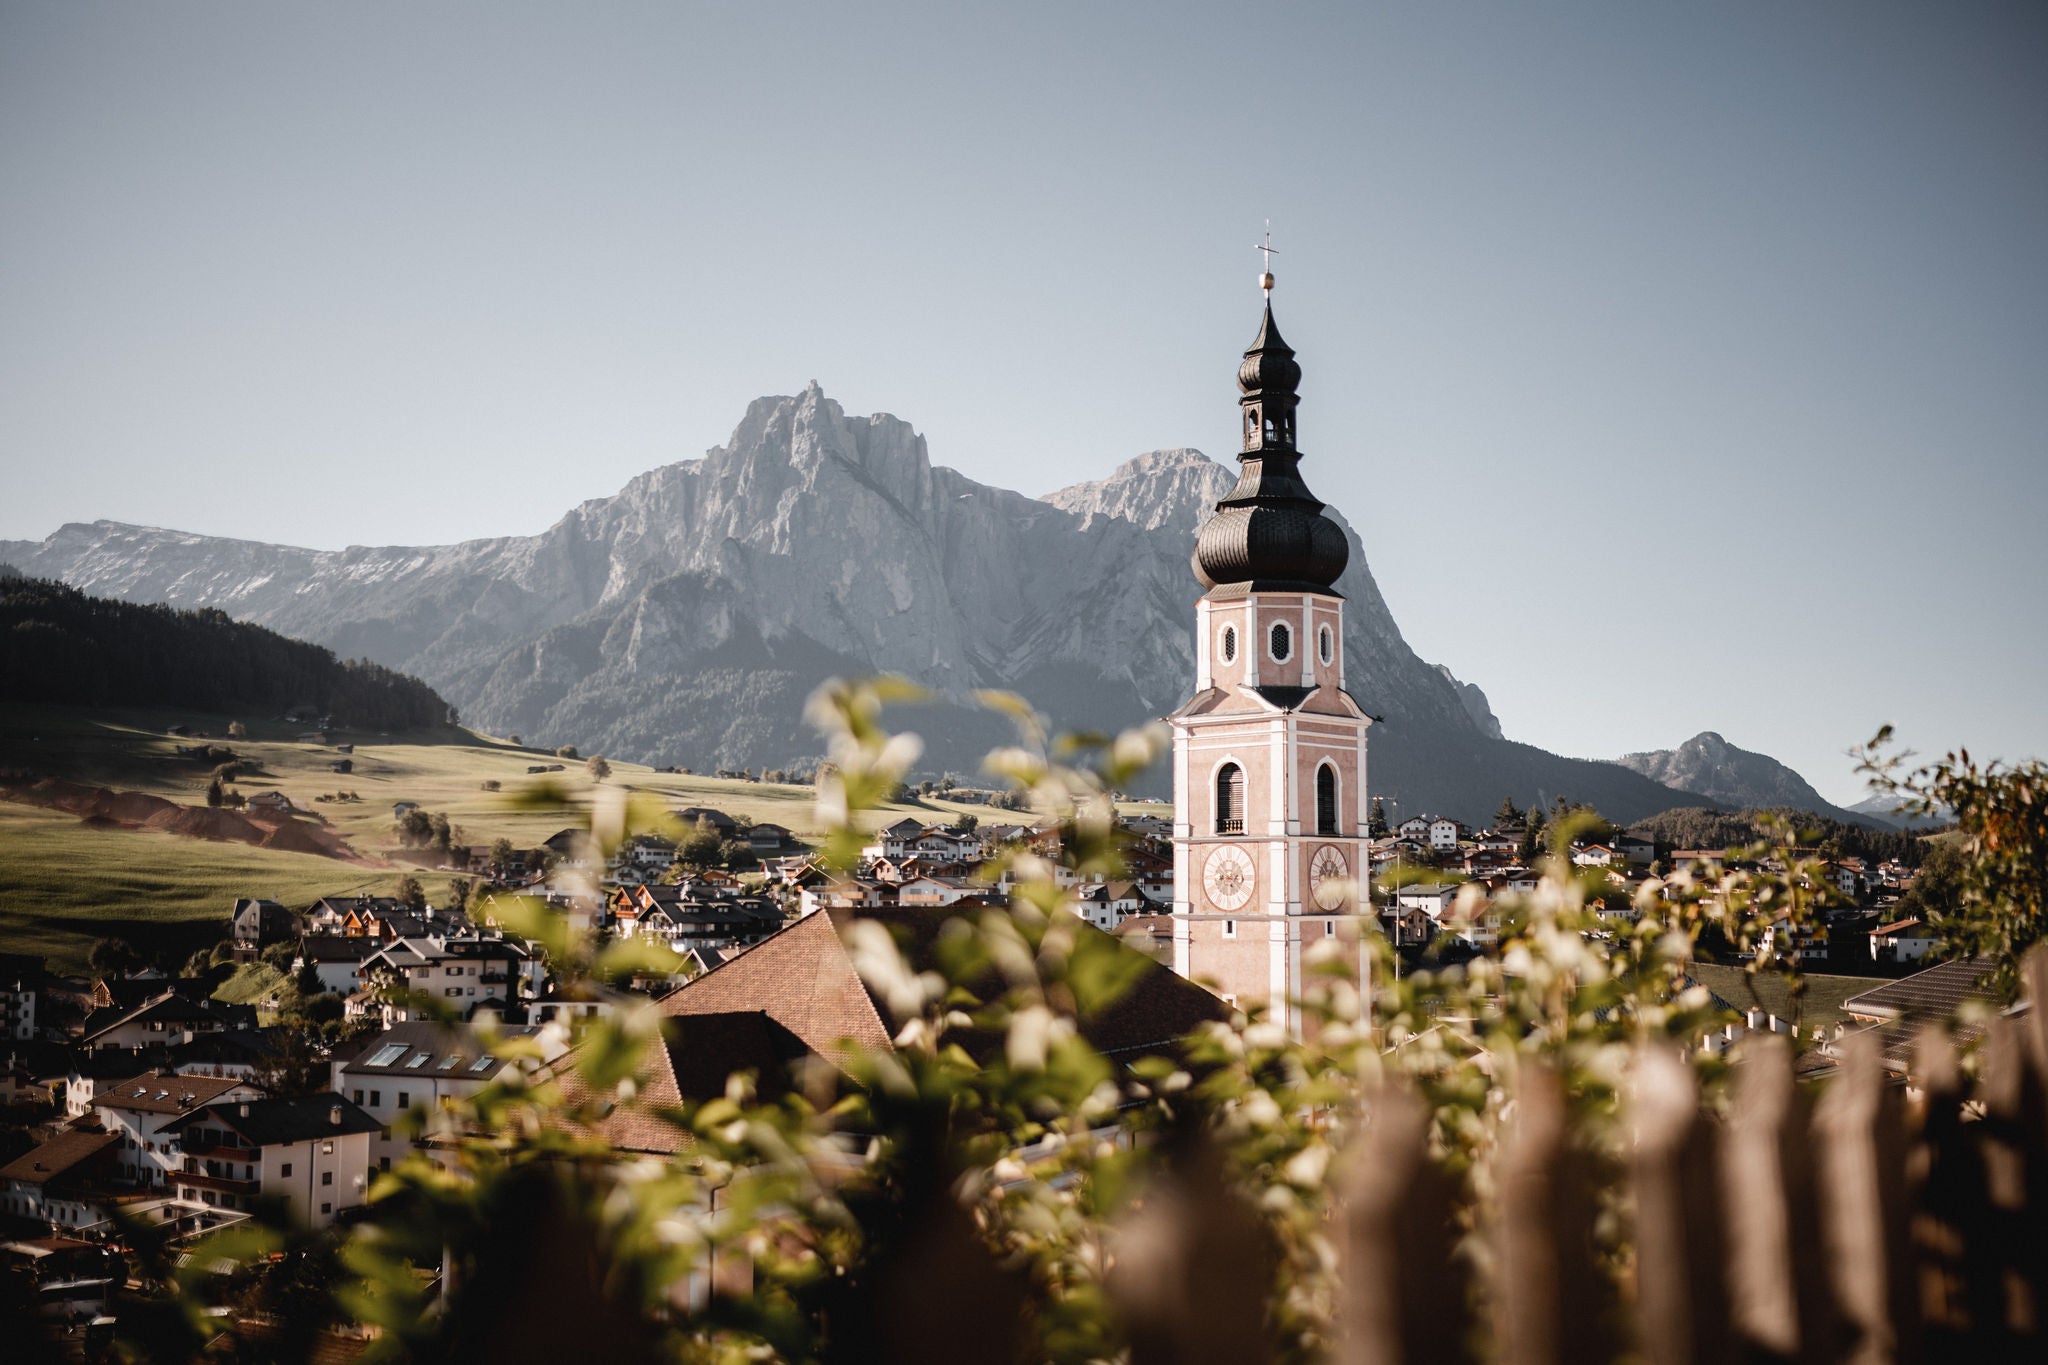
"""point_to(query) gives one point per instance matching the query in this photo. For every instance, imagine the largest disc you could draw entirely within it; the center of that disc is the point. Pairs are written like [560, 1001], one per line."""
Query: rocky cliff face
[1711, 766]
[684, 619]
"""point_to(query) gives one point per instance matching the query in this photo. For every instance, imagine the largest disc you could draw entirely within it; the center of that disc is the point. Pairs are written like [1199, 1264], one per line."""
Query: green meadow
[64, 884]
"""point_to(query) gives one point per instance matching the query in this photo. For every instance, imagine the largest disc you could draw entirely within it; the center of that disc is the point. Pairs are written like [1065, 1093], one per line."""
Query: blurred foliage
[1987, 896]
[992, 1186]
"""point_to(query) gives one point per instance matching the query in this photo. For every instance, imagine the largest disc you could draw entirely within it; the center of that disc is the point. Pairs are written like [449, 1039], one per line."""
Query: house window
[327, 1177]
[376, 1097]
[1230, 644]
[1230, 928]
[404, 1100]
[327, 1149]
[1326, 799]
[327, 1208]
[1326, 644]
[285, 1170]
[1282, 642]
[1230, 799]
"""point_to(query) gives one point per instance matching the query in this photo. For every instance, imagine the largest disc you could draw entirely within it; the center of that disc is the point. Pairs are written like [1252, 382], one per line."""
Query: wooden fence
[1858, 1221]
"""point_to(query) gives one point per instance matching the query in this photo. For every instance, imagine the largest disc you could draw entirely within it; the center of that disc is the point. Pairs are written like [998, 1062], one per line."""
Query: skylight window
[448, 1062]
[389, 1053]
[420, 1060]
[483, 1064]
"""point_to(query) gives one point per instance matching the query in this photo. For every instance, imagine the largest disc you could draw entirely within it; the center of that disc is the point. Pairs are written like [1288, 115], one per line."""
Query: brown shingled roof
[57, 1156]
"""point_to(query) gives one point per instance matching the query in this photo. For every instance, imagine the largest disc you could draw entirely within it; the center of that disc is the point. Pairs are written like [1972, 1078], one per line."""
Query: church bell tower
[1269, 754]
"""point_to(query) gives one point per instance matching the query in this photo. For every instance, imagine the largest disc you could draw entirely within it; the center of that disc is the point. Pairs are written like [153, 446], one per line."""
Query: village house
[311, 1151]
[1906, 940]
[59, 1181]
[336, 960]
[163, 1019]
[140, 1109]
[1431, 898]
[256, 924]
[465, 975]
[413, 1070]
[21, 978]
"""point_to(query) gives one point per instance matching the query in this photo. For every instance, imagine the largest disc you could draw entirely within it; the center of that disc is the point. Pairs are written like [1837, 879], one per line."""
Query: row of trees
[63, 646]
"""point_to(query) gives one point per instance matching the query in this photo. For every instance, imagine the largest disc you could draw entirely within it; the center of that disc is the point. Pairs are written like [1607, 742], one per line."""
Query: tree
[1506, 814]
[567, 751]
[411, 895]
[1986, 890]
[112, 956]
[1532, 837]
[502, 855]
[443, 833]
[967, 824]
[295, 1066]
[599, 768]
[215, 793]
[1376, 823]
[701, 849]
[415, 828]
[459, 891]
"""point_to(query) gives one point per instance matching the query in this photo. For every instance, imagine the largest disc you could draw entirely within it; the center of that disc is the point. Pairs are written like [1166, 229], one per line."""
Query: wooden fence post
[1859, 1162]
[1682, 1306]
[1403, 1292]
[1551, 1300]
[1777, 1283]
[1194, 1268]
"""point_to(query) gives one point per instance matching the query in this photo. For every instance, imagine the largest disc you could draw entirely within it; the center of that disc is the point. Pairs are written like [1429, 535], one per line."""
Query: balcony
[225, 1184]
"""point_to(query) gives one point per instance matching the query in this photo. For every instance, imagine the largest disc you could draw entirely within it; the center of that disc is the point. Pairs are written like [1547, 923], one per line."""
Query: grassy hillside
[63, 884]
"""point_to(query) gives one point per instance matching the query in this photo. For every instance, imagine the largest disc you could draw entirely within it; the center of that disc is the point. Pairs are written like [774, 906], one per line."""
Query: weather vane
[1266, 275]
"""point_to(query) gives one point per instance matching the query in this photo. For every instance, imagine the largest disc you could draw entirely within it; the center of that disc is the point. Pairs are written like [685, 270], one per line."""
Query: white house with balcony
[310, 1151]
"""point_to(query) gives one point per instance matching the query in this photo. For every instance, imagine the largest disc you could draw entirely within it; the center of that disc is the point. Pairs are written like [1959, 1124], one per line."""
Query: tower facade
[1269, 752]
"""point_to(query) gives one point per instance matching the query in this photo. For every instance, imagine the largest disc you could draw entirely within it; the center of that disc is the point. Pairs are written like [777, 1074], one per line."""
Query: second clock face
[1329, 877]
[1229, 877]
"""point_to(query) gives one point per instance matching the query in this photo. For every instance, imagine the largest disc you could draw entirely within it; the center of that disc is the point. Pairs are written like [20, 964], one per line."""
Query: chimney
[334, 1116]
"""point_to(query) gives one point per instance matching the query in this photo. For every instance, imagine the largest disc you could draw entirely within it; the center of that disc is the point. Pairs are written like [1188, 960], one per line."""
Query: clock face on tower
[1229, 877]
[1329, 877]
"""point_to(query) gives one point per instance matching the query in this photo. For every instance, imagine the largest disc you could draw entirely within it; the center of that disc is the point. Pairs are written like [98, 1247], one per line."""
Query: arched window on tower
[1326, 799]
[1230, 799]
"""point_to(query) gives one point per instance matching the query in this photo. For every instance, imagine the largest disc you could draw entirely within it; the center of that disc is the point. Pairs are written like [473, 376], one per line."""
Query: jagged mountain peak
[1709, 765]
[1175, 488]
[685, 618]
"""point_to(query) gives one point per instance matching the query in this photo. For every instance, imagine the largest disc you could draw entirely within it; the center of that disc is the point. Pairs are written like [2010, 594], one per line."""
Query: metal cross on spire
[1266, 275]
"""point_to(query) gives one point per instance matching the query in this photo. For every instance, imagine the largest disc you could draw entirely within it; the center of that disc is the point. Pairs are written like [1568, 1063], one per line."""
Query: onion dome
[1269, 533]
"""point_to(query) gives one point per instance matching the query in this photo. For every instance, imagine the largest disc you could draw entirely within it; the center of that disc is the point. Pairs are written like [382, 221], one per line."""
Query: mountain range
[684, 619]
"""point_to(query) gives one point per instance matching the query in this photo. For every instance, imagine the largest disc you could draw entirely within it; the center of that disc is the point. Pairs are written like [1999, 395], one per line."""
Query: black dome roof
[1269, 531]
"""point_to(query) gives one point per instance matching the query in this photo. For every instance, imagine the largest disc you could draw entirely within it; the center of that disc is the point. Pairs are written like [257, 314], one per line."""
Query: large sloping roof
[57, 1156]
[803, 978]
[1932, 994]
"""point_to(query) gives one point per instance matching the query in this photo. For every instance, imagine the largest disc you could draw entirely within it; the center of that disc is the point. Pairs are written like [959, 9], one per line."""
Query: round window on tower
[1326, 644]
[1282, 641]
[1229, 644]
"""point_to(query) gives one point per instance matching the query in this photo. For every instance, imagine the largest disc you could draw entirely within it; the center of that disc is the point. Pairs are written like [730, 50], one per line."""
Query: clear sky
[1683, 367]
